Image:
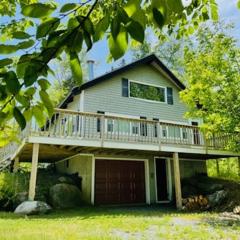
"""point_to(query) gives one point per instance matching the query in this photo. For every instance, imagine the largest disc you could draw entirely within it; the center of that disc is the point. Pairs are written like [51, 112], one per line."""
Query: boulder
[65, 179]
[32, 208]
[64, 195]
[216, 198]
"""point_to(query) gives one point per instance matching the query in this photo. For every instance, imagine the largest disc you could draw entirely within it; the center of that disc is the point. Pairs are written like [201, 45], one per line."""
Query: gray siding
[107, 97]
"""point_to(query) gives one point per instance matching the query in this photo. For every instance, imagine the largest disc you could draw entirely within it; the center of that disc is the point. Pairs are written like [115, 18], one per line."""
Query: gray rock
[67, 180]
[64, 195]
[217, 198]
[32, 208]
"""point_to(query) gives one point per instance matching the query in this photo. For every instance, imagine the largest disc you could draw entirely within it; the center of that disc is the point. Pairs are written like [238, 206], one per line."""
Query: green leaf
[75, 67]
[136, 31]
[44, 84]
[75, 42]
[238, 4]
[19, 118]
[158, 17]
[30, 92]
[122, 16]
[20, 35]
[31, 74]
[88, 40]
[5, 62]
[37, 10]
[119, 45]
[132, 7]
[88, 26]
[39, 116]
[47, 27]
[23, 62]
[12, 82]
[23, 100]
[115, 27]
[3, 94]
[28, 114]
[101, 28]
[68, 7]
[25, 44]
[214, 10]
[47, 102]
[7, 49]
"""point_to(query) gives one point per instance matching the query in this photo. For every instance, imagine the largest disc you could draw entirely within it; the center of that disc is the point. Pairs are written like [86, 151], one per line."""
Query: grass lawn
[118, 223]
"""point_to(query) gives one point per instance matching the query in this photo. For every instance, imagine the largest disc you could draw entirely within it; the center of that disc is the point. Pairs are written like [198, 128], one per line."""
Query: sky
[228, 13]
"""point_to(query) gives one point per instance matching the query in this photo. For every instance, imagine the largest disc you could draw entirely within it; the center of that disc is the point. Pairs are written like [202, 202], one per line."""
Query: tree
[63, 81]
[50, 31]
[212, 71]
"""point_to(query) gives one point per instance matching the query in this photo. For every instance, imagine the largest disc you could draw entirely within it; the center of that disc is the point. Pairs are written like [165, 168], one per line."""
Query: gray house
[125, 135]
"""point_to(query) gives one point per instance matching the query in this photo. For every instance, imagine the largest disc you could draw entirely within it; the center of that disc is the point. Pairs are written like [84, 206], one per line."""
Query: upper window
[148, 92]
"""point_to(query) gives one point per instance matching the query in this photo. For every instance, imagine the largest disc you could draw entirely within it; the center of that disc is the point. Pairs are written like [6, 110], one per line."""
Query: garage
[119, 182]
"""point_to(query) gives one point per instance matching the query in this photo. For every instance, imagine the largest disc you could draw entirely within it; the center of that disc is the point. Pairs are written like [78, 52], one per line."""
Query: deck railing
[81, 125]
[90, 126]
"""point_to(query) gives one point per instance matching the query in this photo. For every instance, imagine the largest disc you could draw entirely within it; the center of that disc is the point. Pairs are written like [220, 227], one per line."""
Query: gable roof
[148, 60]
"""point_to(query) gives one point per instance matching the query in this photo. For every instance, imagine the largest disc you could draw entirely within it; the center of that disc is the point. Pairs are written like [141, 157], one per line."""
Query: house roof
[146, 60]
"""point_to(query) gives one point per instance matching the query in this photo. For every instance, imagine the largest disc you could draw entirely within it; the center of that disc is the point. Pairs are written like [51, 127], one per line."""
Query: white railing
[81, 125]
[90, 126]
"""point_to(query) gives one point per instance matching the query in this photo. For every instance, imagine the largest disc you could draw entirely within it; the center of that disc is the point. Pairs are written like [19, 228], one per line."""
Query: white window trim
[148, 84]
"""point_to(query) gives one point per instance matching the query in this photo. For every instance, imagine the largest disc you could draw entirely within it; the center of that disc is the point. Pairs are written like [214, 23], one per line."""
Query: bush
[10, 185]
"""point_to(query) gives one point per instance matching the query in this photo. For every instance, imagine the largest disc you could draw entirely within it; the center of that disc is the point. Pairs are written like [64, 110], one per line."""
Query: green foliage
[37, 10]
[228, 168]
[10, 185]
[72, 27]
[212, 75]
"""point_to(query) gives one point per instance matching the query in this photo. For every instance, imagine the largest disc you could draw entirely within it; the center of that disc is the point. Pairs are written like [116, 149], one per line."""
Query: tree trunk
[217, 167]
[239, 166]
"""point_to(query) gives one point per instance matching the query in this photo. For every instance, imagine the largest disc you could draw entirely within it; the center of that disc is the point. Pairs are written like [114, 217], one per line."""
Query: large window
[148, 92]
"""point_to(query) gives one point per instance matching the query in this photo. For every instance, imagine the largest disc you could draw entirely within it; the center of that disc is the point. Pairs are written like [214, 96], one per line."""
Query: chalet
[125, 135]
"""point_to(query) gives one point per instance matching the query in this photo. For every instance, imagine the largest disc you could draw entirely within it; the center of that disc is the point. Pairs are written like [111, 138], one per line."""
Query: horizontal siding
[107, 97]
[75, 104]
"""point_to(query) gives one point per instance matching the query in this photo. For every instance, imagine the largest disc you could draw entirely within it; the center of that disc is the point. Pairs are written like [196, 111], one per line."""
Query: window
[110, 123]
[164, 131]
[155, 132]
[184, 133]
[135, 128]
[143, 127]
[143, 91]
[99, 121]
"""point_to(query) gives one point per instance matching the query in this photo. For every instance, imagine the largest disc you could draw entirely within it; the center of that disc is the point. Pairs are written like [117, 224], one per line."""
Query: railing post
[159, 135]
[102, 129]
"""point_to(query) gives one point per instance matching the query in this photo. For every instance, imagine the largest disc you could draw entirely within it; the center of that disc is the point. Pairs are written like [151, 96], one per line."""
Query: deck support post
[16, 164]
[33, 176]
[177, 180]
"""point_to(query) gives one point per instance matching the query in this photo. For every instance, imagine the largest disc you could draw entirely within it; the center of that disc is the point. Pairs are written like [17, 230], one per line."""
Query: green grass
[117, 223]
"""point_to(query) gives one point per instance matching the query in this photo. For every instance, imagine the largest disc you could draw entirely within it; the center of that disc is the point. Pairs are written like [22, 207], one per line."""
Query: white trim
[169, 180]
[146, 172]
[93, 181]
[147, 84]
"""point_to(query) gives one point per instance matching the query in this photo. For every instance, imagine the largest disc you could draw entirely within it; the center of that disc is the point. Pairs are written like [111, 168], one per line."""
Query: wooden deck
[69, 132]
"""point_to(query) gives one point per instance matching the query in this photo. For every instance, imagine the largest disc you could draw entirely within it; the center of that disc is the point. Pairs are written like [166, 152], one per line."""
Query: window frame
[147, 84]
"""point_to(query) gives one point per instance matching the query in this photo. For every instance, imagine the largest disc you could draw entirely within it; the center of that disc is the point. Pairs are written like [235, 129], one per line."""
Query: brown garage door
[119, 182]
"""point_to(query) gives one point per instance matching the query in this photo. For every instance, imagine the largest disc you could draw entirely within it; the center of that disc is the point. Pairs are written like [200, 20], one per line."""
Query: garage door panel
[119, 182]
